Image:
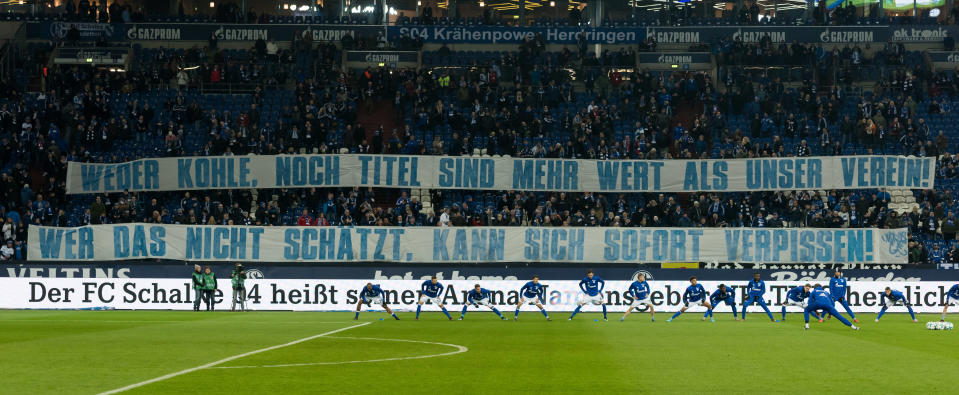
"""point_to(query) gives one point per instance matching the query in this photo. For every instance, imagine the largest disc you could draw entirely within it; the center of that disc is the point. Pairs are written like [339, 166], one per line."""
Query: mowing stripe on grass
[190, 321]
[227, 359]
[459, 349]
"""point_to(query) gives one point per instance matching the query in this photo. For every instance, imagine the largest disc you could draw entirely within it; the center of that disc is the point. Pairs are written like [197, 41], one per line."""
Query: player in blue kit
[373, 295]
[431, 290]
[722, 295]
[797, 296]
[639, 291]
[592, 287]
[532, 292]
[695, 295]
[819, 299]
[479, 297]
[838, 288]
[892, 297]
[952, 297]
[756, 290]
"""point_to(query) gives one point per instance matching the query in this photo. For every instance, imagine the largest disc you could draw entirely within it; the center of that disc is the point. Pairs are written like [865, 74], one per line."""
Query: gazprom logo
[846, 36]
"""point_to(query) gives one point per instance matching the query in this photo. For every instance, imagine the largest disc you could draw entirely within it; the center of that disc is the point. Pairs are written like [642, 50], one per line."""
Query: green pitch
[89, 352]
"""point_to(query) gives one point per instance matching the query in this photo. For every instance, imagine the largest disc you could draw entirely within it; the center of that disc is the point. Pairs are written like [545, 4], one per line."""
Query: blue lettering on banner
[783, 173]
[475, 173]
[389, 171]
[545, 175]
[140, 175]
[643, 245]
[809, 246]
[466, 173]
[544, 244]
[136, 243]
[629, 175]
[888, 171]
[214, 172]
[703, 177]
[313, 171]
[222, 242]
[478, 244]
[75, 243]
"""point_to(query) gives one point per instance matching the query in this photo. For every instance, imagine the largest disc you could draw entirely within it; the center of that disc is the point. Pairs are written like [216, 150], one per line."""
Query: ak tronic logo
[920, 34]
[254, 274]
[153, 33]
[846, 36]
[240, 33]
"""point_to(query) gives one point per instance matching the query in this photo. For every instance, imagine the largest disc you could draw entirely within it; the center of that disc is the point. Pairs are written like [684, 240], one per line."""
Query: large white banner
[479, 173]
[402, 295]
[470, 244]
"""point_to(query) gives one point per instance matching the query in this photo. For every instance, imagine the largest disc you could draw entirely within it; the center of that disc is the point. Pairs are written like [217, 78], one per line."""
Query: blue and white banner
[516, 35]
[402, 295]
[474, 244]
[485, 173]
[625, 35]
[378, 271]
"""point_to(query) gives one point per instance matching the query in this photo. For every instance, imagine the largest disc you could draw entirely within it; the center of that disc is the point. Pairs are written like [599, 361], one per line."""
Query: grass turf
[88, 352]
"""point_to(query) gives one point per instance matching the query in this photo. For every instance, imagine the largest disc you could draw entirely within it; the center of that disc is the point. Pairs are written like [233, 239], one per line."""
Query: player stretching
[838, 289]
[695, 295]
[639, 291]
[479, 297]
[372, 295]
[592, 287]
[532, 292]
[952, 297]
[722, 294]
[431, 290]
[819, 299]
[895, 298]
[756, 289]
[797, 297]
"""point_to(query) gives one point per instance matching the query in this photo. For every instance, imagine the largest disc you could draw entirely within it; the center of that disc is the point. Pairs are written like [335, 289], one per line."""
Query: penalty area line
[459, 349]
[227, 359]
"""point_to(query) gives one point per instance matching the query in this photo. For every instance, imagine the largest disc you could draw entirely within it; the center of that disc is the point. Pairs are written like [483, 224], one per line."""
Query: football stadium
[616, 196]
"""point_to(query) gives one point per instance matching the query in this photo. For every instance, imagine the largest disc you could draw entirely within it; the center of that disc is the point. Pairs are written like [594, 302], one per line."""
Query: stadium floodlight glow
[933, 12]
[419, 3]
[304, 8]
[212, 4]
[482, 4]
[286, 6]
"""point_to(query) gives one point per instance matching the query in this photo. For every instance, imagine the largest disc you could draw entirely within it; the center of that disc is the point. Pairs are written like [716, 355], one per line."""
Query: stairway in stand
[381, 113]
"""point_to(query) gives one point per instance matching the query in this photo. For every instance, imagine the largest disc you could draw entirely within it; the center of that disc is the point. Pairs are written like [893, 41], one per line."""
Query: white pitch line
[459, 349]
[189, 321]
[227, 359]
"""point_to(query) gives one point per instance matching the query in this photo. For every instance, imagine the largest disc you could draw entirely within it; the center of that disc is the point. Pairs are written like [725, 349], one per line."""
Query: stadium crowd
[526, 104]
